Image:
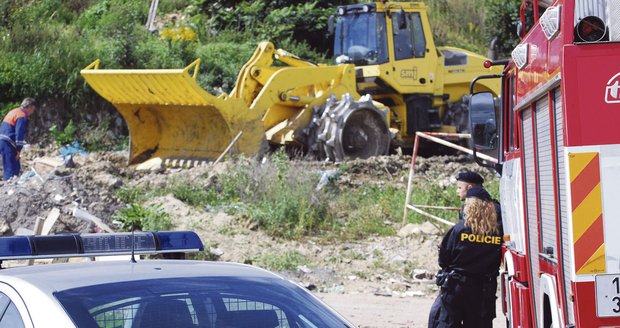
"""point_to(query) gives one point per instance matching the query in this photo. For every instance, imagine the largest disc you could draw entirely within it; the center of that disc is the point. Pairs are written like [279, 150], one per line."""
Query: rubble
[48, 184]
[80, 197]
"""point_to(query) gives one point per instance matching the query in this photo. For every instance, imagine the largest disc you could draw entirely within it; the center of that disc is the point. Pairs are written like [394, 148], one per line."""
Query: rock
[216, 251]
[425, 228]
[412, 293]
[155, 164]
[5, 228]
[429, 228]
[107, 180]
[408, 230]
[252, 225]
[383, 293]
[62, 171]
[303, 269]
[338, 289]
[21, 231]
[421, 274]
[398, 259]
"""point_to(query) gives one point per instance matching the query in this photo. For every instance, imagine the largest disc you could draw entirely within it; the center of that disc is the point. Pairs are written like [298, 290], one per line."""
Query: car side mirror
[330, 24]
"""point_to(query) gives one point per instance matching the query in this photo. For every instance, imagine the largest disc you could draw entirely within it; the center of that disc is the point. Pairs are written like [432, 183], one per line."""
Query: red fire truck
[557, 138]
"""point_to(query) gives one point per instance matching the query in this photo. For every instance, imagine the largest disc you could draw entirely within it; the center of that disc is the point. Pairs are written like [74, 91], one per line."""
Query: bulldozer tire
[350, 129]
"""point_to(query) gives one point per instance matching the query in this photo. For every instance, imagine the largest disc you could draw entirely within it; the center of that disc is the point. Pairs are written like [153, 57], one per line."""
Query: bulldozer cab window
[361, 39]
[409, 41]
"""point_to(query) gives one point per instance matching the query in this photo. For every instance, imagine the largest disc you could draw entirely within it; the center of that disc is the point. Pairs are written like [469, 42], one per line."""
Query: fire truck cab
[556, 133]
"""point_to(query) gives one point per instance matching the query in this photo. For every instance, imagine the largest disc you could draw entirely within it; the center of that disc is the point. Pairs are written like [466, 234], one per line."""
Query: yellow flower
[184, 33]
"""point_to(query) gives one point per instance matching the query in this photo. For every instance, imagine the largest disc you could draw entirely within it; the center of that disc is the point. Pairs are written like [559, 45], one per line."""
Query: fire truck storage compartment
[531, 209]
[519, 298]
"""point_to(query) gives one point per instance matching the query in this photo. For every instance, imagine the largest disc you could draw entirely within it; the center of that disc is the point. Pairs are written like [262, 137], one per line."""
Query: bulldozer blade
[170, 116]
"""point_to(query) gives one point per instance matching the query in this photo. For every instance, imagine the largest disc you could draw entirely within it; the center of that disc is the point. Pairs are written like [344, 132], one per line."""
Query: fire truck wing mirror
[483, 122]
[330, 25]
[519, 29]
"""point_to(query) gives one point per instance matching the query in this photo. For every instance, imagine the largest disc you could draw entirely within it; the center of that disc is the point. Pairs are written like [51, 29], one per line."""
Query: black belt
[464, 278]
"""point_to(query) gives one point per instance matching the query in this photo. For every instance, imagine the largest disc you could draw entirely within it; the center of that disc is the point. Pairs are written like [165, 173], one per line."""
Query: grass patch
[191, 194]
[431, 193]
[131, 194]
[281, 197]
[368, 210]
[289, 260]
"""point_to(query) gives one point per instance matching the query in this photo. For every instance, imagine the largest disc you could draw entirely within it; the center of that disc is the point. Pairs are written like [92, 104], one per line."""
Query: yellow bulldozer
[389, 81]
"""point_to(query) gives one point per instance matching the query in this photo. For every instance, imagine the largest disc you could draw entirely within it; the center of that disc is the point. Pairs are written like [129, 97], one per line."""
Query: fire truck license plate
[608, 295]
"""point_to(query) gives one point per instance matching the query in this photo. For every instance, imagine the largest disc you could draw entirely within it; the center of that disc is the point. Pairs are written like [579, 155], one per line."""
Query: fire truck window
[529, 15]
[510, 141]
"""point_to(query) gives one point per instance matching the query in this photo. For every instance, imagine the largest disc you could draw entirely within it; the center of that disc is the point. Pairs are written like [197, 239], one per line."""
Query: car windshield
[361, 39]
[213, 302]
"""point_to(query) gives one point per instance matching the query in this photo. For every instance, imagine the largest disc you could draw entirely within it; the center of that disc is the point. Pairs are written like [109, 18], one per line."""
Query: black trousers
[464, 305]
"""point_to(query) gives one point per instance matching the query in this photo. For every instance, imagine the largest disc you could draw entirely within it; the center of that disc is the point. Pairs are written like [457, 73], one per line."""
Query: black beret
[479, 193]
[470, 177]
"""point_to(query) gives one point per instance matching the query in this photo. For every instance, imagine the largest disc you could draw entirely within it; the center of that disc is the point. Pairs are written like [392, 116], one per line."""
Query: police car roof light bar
[88, 245]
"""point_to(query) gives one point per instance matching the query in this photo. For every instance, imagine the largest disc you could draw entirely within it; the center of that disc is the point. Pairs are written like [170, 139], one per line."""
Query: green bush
[221, 62]
[285, 202]
[143, 218]
[501, 22]
[64, 137]
[5, 108]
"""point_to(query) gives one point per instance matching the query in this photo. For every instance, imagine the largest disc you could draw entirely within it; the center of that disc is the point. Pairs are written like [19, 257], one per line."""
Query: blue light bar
[14, 246]
[87, 245]
[176, 241]
[103, 243]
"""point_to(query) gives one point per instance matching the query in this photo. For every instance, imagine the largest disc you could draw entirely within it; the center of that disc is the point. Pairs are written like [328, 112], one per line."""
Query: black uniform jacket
[470, 254]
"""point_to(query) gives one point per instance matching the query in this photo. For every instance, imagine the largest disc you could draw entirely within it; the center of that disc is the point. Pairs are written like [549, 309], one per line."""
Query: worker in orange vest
[12, 137]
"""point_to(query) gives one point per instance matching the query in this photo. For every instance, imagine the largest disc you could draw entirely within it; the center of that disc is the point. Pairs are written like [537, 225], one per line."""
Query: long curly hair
[480, 216]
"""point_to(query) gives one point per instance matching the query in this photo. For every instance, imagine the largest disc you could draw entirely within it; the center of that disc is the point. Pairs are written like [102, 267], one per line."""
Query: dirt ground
[371, 311]
[375, 282]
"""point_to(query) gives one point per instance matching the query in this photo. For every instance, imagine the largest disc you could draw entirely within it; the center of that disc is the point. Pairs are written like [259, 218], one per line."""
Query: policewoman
[469, 256]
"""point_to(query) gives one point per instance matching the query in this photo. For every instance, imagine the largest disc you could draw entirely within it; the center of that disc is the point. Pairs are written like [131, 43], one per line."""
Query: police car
[146, 293]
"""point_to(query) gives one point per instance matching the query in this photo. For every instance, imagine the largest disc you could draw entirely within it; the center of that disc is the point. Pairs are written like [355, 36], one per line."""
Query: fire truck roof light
[591, 29]
[550, 22]
[87, 245]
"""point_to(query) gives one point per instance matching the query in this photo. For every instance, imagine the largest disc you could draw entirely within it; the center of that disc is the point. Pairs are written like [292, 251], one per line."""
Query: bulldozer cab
[391, 39]
[399, 65]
